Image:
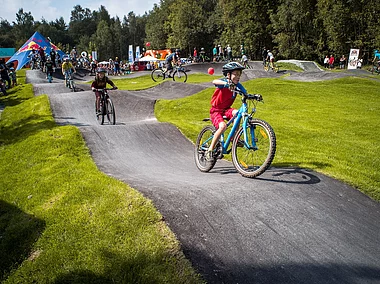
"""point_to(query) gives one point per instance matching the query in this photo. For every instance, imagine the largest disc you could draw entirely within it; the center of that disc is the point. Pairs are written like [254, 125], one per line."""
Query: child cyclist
[100, 82]
[222, 100]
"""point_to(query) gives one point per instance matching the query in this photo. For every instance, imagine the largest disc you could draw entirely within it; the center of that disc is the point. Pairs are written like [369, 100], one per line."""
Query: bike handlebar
[104, 89]
[255, 97]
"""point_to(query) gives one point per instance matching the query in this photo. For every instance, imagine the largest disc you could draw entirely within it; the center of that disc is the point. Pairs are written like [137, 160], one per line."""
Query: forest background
[294, 29]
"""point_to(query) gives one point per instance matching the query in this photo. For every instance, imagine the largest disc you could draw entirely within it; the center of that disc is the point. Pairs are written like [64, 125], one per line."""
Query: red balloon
[211, 71]
[147, 44]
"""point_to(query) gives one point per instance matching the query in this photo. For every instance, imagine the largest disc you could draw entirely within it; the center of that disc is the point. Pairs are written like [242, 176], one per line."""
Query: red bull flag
[33, 43]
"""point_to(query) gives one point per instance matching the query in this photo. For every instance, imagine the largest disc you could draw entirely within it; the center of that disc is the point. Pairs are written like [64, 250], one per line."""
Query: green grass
[62, 220]
[331, 126]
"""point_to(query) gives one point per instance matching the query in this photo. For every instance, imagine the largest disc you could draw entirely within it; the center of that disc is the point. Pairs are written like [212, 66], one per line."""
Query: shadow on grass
[139, 269]
[13, 96]
[24, 128]
[18, 232]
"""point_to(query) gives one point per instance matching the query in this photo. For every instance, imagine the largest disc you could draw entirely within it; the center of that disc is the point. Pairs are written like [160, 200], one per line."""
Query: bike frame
[241, 116]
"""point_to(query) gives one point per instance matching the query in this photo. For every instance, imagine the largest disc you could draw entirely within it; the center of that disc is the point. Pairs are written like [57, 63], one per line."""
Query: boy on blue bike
[222, 100]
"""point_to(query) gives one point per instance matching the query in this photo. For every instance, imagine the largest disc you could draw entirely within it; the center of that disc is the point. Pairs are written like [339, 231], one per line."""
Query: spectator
[116, 65]
[331, 62]
[4, 72]
[342, 62]
[195, 55]
[360, 63]
[229, 52]
[326, 62]
[214, 53]
[264, 54]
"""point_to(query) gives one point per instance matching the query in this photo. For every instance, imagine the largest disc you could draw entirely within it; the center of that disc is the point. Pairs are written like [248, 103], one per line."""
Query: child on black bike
[100, 82]
[222, 100]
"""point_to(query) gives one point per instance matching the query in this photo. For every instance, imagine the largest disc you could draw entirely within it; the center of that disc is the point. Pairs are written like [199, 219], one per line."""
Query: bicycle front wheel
[253, 156]
[266, 68]
[158, 75]
[276, 69]
[72, 85]
[110, 112]
[201, 146]
[180, 76]
[100, 116]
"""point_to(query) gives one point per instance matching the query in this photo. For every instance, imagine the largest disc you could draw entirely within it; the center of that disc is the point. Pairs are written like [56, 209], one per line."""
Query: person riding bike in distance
[67, 68]
[270, 59]
[222, 100]
[170, 61]
[100, 82]
[49, 65]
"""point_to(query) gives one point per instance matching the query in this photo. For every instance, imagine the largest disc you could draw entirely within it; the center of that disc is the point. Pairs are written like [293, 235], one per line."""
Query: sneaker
[210, 156]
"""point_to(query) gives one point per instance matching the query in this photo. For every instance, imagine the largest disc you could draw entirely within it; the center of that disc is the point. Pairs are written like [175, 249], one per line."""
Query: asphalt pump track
[289, 225]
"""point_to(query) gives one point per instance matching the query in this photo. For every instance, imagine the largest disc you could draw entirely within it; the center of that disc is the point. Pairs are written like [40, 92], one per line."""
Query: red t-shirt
[223, 97]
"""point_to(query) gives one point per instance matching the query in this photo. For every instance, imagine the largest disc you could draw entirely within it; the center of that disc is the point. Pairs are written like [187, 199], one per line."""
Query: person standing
[264, 54]
[326, 62]
[342, 62]
[331, 62]
[229, 52]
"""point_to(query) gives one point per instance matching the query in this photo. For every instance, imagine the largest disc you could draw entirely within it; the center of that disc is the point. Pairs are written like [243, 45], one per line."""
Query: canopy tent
[33, 43]
[148, 58]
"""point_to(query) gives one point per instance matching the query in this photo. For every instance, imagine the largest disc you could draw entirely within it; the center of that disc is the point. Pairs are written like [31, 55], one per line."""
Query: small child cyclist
[222, 100]
[100, 82]
[12, 74]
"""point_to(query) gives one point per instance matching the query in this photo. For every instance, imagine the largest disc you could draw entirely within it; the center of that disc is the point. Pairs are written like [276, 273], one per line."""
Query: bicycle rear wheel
[110, 111]
[203, 142]
[255, 158]
[158, 75]
[266, 68]
[276, 69]
[180, 76]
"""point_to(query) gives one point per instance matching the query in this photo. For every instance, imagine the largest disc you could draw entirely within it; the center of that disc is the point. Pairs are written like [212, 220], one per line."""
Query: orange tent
[159, 54]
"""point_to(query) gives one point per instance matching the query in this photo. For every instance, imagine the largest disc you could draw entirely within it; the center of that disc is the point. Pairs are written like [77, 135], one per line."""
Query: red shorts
[216, 115]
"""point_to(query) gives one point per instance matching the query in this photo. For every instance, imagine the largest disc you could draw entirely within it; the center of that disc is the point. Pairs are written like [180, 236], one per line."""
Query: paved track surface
[287, 226]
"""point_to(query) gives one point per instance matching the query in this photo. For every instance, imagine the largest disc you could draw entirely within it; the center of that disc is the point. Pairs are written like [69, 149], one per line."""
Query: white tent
[148, 58]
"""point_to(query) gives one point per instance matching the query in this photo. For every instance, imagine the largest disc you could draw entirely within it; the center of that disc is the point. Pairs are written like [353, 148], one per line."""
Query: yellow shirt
[67, 66]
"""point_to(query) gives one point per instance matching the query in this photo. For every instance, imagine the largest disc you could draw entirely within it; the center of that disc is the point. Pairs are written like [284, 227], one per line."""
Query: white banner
[353, 59]
[130, 54]
[137, 53]
[94, 55]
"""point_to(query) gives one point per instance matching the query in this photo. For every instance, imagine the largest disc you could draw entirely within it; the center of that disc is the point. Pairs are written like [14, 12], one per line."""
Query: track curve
[287, 226]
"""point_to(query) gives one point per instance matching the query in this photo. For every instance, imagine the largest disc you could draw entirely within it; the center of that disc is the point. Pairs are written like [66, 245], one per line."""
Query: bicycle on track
[253, 141]
[178, 75]
[69, 81]
[107, 108]
[271, 66]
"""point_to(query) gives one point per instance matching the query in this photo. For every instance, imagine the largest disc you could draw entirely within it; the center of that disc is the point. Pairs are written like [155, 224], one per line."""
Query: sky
[51, 10]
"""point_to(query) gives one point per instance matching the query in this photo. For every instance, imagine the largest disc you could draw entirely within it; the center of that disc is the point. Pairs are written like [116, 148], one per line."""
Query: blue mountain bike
[253, 141]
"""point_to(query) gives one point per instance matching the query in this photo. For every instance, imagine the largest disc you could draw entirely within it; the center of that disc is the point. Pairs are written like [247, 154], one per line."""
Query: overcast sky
[51, 10]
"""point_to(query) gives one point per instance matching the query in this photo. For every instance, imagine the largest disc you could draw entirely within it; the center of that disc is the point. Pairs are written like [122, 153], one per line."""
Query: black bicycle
[107, 109]
[179, 74]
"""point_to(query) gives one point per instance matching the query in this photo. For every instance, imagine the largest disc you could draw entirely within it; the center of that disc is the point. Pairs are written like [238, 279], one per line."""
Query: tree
[6, 35]
[23, 28]
[294, 29]
[103, 41]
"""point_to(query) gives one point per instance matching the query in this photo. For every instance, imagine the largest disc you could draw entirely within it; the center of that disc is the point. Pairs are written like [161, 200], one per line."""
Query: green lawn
[331, 126]
[62, 220]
